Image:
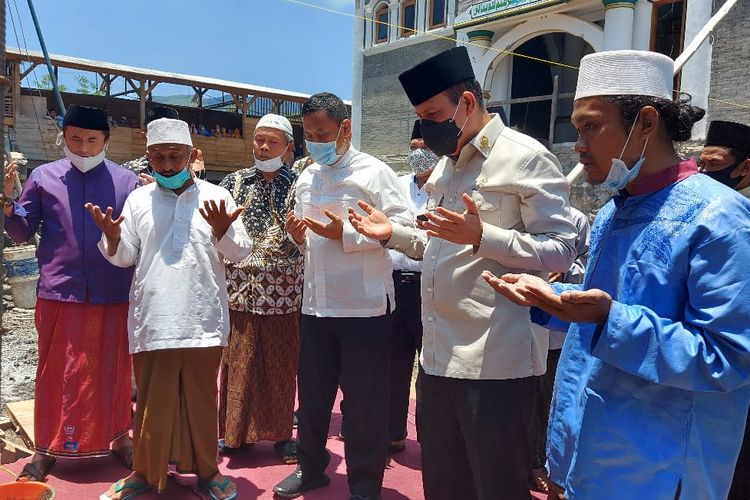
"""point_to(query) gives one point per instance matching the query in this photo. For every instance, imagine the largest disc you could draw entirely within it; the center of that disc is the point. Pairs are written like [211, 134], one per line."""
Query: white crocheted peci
[168, 131]
[276, 121]
[625, 72]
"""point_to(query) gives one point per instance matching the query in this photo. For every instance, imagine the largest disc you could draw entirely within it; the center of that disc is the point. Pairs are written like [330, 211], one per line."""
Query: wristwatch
[7, 201]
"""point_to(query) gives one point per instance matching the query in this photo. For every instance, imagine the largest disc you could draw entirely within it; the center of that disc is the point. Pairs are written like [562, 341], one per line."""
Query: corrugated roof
[15, 54]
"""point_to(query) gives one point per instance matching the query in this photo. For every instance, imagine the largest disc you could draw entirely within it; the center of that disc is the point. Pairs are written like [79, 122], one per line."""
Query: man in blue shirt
[652, 387]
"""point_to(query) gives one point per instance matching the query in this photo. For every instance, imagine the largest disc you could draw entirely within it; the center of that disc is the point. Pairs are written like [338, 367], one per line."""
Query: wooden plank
[22, 414]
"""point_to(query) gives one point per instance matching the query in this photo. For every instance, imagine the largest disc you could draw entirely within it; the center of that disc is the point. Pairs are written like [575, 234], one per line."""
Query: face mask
[619, 174]
[725, 175]
[173, 182]
[269, 166]
[324, 153]
[85, 163]
[422, 160]
[442, 137]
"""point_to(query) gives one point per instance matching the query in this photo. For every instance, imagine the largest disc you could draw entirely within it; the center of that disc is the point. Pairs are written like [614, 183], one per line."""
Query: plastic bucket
[22, 271]
[20, 261]
[26, 490]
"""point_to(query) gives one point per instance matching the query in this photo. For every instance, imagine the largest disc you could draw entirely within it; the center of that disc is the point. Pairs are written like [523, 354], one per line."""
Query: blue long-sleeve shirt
[71, 268]
[657, 397]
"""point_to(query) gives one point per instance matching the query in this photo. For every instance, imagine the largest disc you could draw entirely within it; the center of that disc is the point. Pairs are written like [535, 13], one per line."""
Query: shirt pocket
[488, 206]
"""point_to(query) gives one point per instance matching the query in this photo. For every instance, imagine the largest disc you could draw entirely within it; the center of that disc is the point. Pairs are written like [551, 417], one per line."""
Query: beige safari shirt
[469, 330]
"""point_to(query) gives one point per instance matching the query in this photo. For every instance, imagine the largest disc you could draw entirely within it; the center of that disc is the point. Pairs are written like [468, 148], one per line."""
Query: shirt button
[429, 290]
[430, 319]
[434, 257]
[451, 199]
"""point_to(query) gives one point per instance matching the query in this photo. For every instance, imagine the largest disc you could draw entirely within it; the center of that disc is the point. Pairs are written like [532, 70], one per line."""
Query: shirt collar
[485, 139]
[284, 174]
[660, 180]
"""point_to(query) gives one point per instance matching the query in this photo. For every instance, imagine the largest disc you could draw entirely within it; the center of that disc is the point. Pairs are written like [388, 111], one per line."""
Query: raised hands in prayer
[108, 226]
[333, 230]
[295, 227]
[9, 181]
[374, 225]
[218, 217]
[459, 228]
[588, 306]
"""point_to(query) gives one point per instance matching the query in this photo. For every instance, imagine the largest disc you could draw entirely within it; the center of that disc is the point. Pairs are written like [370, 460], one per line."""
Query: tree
[86, 86]
[46, 83]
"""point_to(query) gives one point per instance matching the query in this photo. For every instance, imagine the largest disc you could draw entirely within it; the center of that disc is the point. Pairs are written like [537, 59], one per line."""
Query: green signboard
[493, 7]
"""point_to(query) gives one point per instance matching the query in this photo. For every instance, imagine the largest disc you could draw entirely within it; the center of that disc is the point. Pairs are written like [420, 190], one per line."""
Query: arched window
[408, 17]
[381, 23]
[437, 14]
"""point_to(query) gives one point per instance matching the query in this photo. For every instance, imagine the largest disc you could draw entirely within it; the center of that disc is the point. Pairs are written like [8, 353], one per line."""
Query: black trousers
[474, 436]
[741, 481]
[406, 342]
[541, 410]
[355, 353]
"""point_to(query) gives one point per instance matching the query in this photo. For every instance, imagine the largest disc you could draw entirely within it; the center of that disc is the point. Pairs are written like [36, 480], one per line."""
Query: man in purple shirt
[83, 379]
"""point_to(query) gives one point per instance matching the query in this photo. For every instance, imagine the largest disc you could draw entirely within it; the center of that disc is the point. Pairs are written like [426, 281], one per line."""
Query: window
[381, 24]
[668, 29]
[408, 18]
[437, 13]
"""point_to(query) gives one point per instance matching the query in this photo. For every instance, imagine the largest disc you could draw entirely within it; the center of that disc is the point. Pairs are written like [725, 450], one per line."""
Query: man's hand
[517, 287]
[556, 492]
[109, 227]
[145, 179]
[555, 277]
[461, 229]
[296, 228]
[589, 306]
[11, 174]
[198, 164]
[375, 224]
[334, 230]
[218, 217]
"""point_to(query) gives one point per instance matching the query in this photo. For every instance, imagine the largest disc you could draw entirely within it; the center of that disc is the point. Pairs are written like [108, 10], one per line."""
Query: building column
[618, 24]
[423, 7]
[369, 27]
[394, 30]
[360, 29]
[479, 42]
[642, 25]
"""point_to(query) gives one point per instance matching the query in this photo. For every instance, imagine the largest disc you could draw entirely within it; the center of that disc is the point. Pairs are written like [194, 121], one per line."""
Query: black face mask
[725, 175]
[442, 137]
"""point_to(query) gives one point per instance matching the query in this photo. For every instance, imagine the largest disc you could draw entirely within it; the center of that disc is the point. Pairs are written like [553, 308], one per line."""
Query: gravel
[19, 352]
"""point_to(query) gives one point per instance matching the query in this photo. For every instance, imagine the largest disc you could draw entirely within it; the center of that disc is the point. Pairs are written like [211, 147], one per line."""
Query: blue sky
[274, 43]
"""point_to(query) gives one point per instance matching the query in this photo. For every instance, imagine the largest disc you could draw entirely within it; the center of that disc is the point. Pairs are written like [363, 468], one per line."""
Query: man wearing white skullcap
[653, 383]
[259, 365]
[177, 231]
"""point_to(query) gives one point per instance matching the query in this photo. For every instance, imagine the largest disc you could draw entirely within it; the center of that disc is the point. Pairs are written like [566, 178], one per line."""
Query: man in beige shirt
[498, 200]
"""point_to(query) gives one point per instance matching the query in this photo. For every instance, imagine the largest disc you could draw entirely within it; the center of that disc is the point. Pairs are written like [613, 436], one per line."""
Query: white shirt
[178, 298]
[351, 277]
[417, 198]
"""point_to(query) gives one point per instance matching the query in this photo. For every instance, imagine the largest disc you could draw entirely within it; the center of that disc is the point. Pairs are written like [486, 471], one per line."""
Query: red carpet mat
[254, 469]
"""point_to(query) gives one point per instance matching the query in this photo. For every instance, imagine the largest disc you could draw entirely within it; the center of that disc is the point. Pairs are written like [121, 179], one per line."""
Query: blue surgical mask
[175, 181]
[324, 153]
[620, 175]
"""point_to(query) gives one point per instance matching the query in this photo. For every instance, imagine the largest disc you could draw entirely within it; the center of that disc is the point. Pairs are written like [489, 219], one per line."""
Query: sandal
[221, 486]
[286, 451]
[135, 490]
[32, 471]
[124, 455]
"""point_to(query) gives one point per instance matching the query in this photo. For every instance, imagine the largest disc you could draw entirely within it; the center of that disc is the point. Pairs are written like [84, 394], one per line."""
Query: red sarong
[82, 400]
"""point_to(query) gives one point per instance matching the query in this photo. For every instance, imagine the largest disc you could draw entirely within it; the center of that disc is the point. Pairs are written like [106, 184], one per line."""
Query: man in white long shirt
[407, 317]
[177, 232]
[346, 304]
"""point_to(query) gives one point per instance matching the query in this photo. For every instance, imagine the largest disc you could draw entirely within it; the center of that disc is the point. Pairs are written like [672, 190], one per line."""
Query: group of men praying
[624, 347]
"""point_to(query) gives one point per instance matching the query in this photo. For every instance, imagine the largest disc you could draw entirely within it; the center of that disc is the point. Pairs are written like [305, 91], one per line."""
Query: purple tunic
[71, 268]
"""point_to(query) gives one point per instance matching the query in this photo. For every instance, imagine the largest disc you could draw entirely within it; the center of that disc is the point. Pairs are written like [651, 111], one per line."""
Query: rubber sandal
[119, 486]
[222, 486]
[286, 451]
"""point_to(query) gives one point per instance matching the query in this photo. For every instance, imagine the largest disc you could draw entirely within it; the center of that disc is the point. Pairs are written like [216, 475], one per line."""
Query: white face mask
[85, 163]
[620, 175]
[269, 166]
